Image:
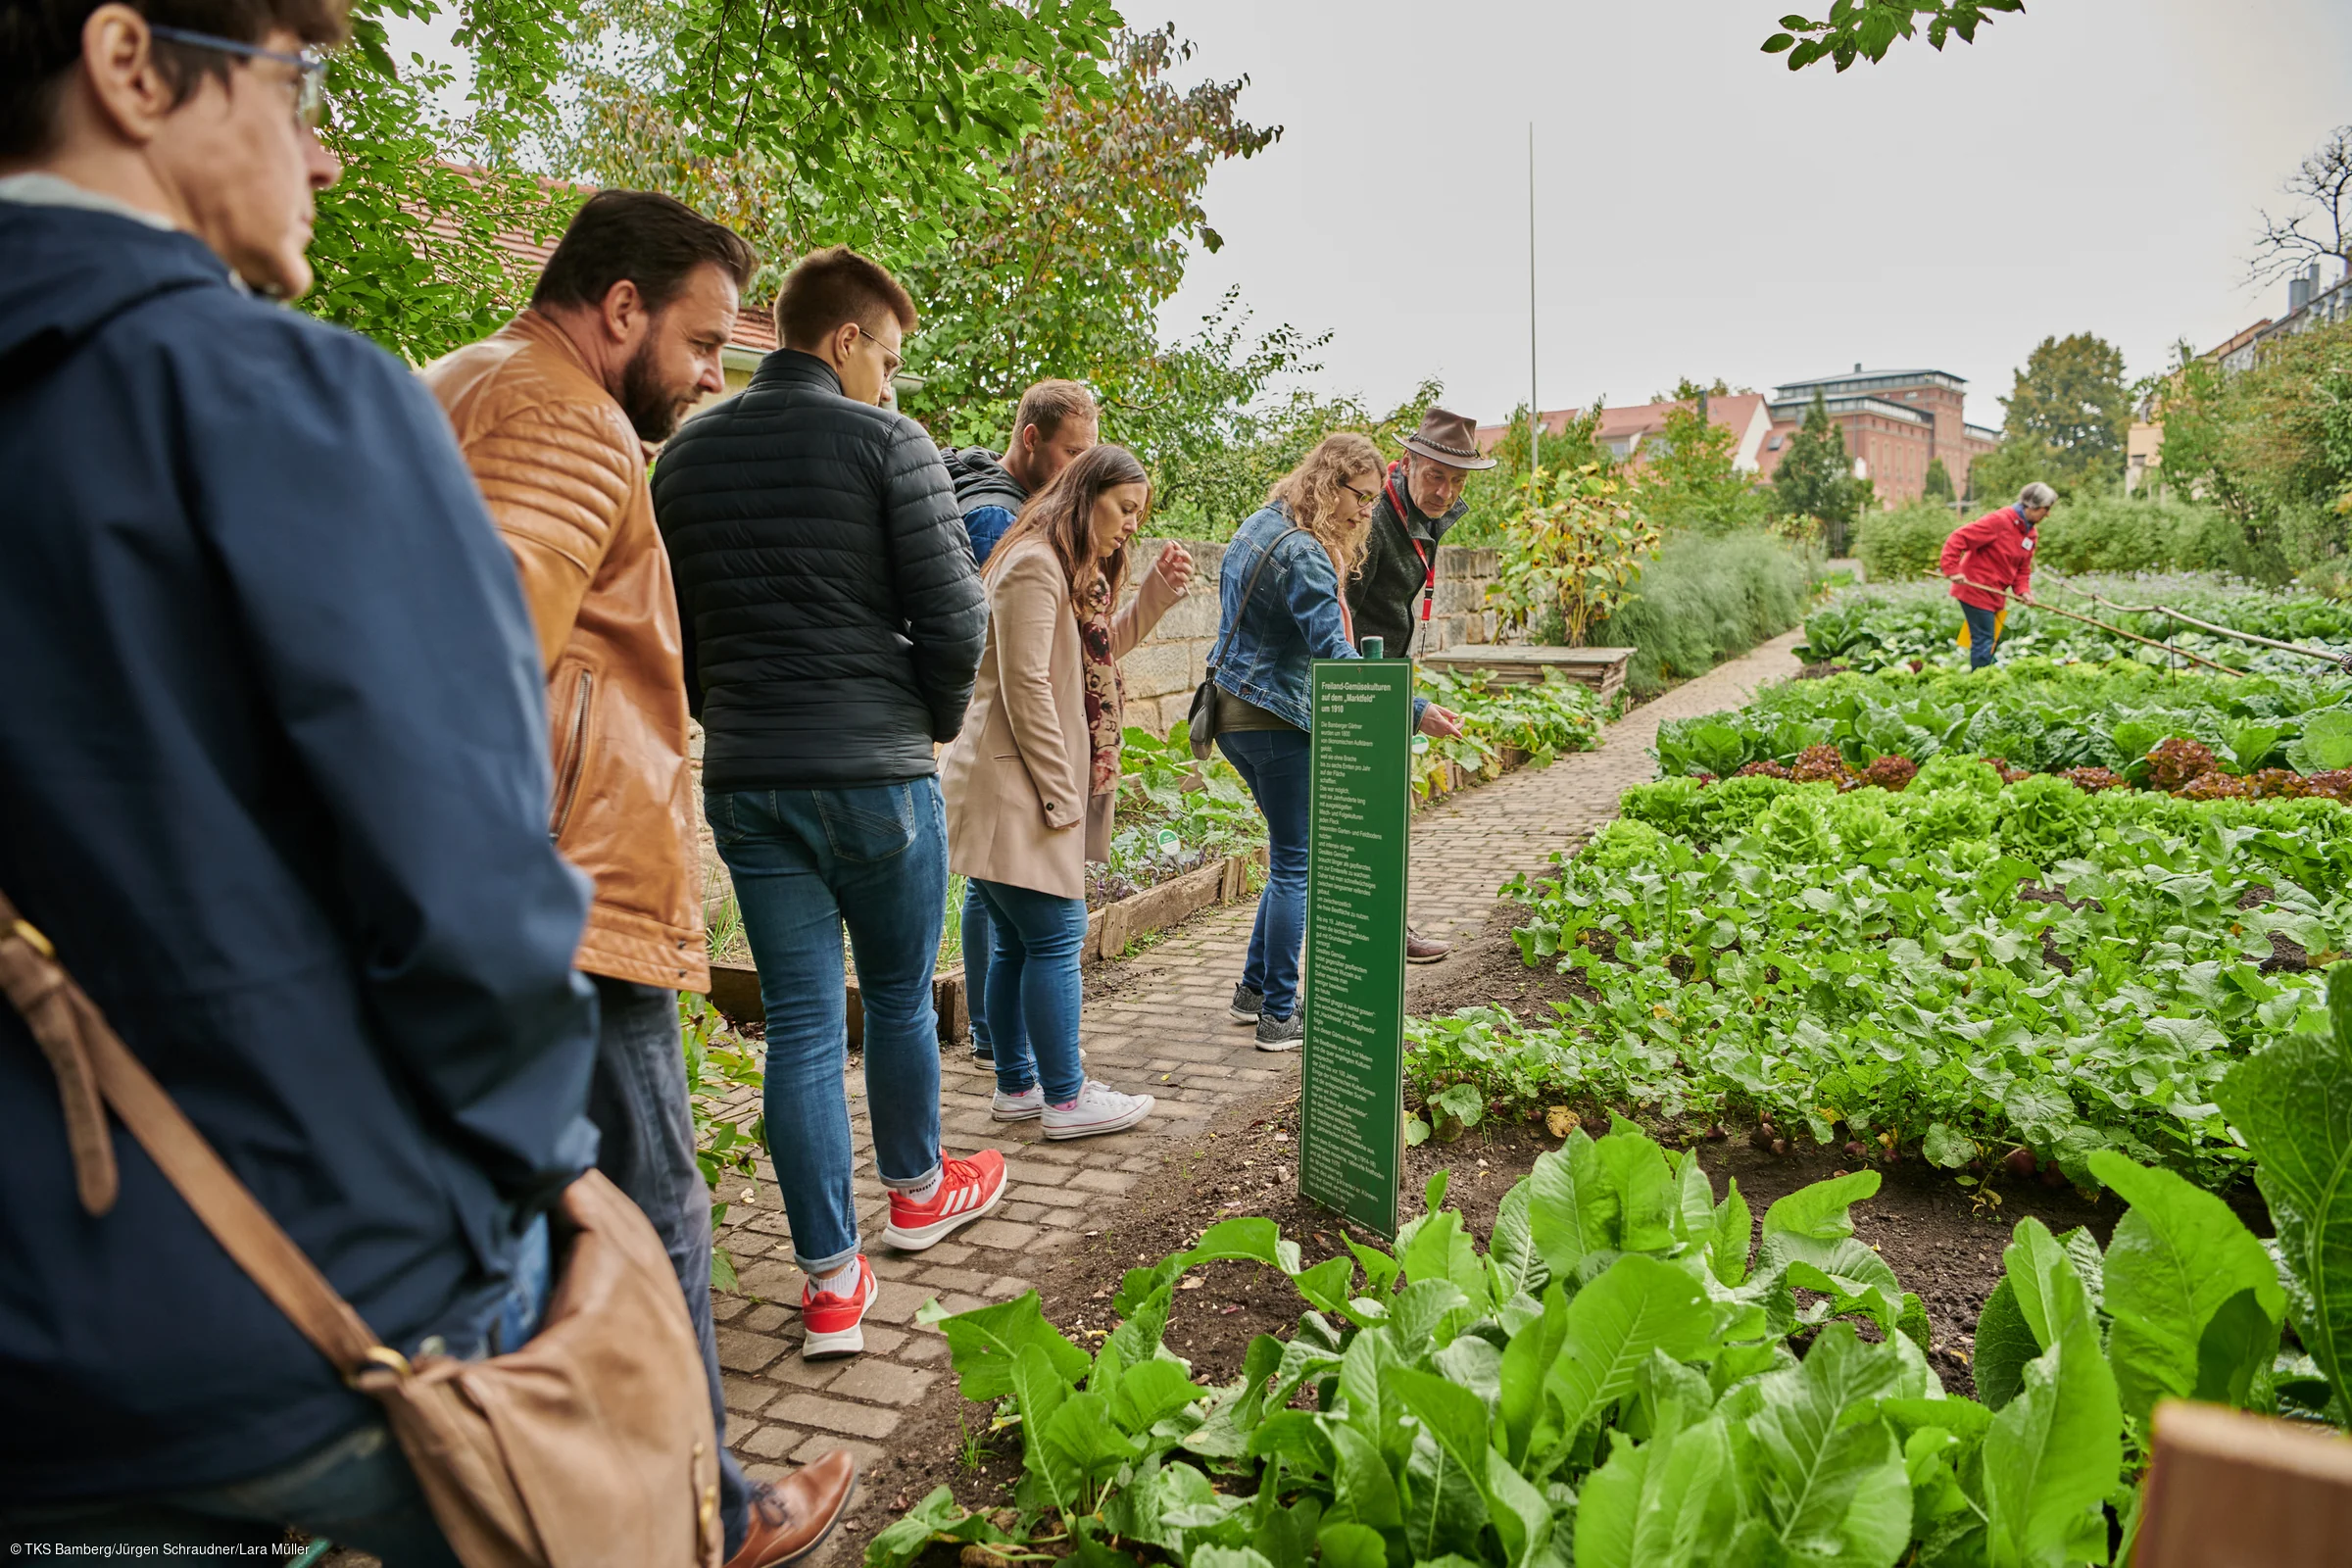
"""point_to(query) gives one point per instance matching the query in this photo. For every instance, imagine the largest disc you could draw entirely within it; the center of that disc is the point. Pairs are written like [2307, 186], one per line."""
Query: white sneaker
[1029, 1103]
[1098, 1108]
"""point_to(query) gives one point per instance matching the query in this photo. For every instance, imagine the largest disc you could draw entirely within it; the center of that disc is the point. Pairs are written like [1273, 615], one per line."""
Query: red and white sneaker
[835, 1319]
[968, 1190]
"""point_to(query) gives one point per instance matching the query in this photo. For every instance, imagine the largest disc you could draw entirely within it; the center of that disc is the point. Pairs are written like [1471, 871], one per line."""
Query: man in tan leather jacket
[553, 412]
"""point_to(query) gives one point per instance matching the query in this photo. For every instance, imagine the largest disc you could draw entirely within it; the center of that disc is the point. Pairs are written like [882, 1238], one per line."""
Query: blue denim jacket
[1266, 644]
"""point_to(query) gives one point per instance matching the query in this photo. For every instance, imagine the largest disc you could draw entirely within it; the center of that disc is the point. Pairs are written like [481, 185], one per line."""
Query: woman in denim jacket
[1282, 609]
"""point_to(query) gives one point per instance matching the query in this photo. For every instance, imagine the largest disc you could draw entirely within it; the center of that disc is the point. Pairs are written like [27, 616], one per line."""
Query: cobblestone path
[1161, 1029]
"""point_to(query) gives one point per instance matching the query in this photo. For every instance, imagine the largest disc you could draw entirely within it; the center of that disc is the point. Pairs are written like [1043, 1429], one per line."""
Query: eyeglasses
[1361, 496]
[890, 361]
[310, 67]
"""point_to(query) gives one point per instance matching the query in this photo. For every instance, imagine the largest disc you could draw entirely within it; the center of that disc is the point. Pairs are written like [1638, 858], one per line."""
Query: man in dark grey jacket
[833, 623]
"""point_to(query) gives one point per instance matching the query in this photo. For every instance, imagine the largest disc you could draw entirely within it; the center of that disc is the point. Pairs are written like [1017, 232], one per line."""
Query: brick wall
[1163, 671]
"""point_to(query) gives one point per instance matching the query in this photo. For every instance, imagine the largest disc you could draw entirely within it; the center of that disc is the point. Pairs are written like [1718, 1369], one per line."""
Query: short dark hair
[642, 237]
[829, 287]
[40, 43]
[1049, 402]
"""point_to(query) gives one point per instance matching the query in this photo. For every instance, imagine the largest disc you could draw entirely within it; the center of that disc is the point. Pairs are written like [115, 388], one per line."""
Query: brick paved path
[1159, 1028]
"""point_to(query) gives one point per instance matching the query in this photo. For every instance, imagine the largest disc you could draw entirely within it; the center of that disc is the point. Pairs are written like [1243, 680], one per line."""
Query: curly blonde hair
[1321, 502]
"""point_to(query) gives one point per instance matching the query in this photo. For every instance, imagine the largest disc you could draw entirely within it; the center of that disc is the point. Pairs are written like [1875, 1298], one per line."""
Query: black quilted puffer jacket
[832, 615]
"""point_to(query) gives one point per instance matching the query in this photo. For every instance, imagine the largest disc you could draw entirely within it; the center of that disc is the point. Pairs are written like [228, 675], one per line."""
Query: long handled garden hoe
[2113, 631]
[2342, 661]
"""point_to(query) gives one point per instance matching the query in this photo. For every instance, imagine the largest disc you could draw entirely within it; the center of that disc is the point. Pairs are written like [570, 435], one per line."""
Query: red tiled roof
[1734, 412]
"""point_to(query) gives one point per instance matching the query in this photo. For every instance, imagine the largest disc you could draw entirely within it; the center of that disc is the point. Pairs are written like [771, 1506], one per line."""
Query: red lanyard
[1429, 570]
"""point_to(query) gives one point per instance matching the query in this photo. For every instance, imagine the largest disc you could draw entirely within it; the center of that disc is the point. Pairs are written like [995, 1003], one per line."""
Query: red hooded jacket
[1997, 551]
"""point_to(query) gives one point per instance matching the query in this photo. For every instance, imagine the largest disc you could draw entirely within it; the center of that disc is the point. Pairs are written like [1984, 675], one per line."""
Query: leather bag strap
[1248, 592]
[95, 1069]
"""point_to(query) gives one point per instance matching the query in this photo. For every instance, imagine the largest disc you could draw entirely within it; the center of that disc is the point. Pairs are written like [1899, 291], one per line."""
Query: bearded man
[1420, 498]
[553, 412]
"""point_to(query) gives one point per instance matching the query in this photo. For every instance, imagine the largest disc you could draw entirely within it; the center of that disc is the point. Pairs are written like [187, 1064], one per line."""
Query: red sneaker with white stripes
[834, 1322]
[968, 1190]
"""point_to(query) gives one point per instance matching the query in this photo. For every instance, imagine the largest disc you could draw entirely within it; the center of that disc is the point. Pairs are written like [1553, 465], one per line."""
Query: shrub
[2113, 533]
[1894, 546]
[1704, 600]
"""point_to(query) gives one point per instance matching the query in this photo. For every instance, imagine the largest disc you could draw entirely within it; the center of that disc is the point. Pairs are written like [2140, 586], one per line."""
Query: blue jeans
[355, 1491]
[979, 949]
[1979, 635]
[1033, 989]
[1276, 765]
[645, 1130]
[806, 863]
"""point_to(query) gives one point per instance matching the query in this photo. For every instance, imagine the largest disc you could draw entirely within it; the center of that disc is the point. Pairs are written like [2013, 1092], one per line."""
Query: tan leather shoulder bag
[590, 1446]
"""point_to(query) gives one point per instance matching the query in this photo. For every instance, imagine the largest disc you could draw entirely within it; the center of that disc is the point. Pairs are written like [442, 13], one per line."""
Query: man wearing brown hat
[1420, 498]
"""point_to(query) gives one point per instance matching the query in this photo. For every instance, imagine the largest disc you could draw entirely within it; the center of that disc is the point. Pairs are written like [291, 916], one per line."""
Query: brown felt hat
[1448, 438]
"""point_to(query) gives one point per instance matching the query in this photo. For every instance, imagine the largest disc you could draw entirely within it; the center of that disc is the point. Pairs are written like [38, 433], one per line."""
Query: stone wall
[1163, 671]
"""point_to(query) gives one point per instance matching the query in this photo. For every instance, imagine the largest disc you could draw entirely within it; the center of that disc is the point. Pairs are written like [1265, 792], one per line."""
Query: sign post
[1351, 1101]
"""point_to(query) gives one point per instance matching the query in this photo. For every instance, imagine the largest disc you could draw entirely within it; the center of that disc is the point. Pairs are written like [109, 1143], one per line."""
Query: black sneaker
[984, 1052]
[1280, 1034]
[1247, 1006]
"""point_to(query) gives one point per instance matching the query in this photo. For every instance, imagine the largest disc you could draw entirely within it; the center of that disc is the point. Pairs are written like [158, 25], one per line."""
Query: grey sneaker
[1247, 1006]
[1030, 1102]
[1280, 1034]
[1098, 1108]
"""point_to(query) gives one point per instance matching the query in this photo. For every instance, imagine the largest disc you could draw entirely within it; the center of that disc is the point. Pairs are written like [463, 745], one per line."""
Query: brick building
[1895, 424]
[1632, 433]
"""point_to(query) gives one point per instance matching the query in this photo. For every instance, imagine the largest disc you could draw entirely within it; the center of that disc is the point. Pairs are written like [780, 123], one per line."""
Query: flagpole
[1535, 418]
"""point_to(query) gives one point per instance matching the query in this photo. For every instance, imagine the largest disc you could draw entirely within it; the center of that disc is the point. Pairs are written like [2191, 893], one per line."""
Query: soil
[1944, 1242]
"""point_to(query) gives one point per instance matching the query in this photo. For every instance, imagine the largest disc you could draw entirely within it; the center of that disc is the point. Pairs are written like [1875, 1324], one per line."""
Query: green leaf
[1830, 1481]
[1531, 1353]
[2176, 1258]
[2241, 1341]
[2034, 1266]
[1636, 1306]
[1082, 1440]
[982, 1346]
[1820, 1210]
[1151, 1391]
[1349, 1544]
[1573, 1207]
[1364, 1489]
[1665, 1503]
[1042, 1393]
[1445, 1507]
[937, 1517]
[1646, 1190]
[1727, 1248]
[2005, 1344]
[1857, 1278]
[2292, 1102]
[1946, 1148]
[1440, 1249]
[2053, 1453]
[1513, 1246]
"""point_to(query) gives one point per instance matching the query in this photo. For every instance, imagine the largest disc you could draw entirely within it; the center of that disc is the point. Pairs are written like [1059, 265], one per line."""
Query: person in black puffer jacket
[833, 623]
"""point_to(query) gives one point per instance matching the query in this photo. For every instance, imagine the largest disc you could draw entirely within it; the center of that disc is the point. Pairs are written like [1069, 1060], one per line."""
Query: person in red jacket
[1991, 558]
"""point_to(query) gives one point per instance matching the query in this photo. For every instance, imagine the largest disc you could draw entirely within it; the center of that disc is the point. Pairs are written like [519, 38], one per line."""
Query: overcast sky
[2091, 166]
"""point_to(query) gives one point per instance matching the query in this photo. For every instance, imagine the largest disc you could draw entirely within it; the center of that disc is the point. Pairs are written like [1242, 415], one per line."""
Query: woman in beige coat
[1032, 781]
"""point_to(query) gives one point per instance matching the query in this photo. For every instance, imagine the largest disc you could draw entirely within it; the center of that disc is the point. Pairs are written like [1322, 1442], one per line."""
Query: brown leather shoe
[1419, 949]
[792, 1516]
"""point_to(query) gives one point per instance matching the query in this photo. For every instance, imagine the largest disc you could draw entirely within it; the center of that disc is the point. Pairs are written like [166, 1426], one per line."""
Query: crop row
[1627, 1374]
[1890, 627]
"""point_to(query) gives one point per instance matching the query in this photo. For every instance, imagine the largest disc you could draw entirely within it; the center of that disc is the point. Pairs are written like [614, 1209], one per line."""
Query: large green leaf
[1363, 1488]
[1150, 1392]
[2053, 1453]
[983, 1342]
[1518, 1263]
[2292, 1102]
[1856, 1277]
[1637, 1306]
[1082, 1440]
[1445, 1506]
[1635, 1167]
[1519, 1400]
[1828, 1478]
[2176, 1257]
[2005, 1344]
[1665, 1503]
[1042, 1393]
[1573, 1207]
[2033, 1263]
[1821, 1210]
[1349, 1544]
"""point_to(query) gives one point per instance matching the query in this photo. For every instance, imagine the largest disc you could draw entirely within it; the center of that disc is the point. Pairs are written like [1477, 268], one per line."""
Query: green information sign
[1351, 1107]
